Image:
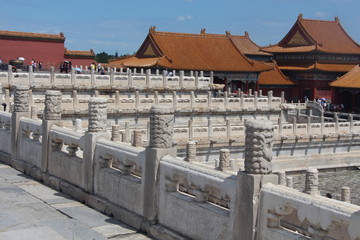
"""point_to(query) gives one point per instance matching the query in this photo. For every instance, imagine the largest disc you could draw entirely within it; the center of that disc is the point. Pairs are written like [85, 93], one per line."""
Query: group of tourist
[100, 69]
[65, 66]
[35, 65]
[330, 106]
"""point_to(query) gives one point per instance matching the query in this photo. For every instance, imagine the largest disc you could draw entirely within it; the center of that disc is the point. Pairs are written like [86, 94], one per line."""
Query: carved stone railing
[202, 193]
[288, 214]
[118, 174]
[30, 141]
[5, 127]
[66, 155]
[120, 80]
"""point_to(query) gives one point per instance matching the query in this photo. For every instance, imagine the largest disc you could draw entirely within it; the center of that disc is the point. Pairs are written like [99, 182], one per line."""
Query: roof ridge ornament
[227, 33]
[337, 19]
[152, 29]
[203, 31]
[300, 17]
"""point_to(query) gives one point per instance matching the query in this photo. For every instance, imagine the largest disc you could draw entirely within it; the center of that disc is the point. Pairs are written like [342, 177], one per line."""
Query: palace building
[313, 54]
[200, 52]
[45, 48]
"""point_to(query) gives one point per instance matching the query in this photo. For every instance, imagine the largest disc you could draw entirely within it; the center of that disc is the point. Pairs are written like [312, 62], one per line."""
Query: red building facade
[313, 54]
[45, 48]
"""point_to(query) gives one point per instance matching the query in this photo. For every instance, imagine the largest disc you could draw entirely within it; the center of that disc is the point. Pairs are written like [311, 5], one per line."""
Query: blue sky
[116, 25]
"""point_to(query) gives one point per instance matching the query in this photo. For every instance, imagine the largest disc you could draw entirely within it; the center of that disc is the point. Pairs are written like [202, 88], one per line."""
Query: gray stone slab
[34, 233]
[112, 230]
[44, 193]
[87, 215]
[11, 175]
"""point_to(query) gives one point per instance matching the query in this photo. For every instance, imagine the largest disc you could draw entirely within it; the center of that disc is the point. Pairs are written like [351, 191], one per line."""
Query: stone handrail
[195, 188]
[284, 212]
[119, 80]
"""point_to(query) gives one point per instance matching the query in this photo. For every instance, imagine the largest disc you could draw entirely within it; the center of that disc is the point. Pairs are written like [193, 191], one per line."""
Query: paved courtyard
[332, 182]
[32, 211]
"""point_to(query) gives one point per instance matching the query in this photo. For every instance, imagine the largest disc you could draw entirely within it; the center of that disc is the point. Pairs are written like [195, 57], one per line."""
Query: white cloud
[320, 14]
[183, 18]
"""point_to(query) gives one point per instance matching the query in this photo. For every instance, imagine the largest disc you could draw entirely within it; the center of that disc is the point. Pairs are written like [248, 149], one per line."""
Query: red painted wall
[46, 52]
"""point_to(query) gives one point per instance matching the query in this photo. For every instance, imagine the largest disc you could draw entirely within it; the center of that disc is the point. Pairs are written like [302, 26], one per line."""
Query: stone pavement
[30, 210]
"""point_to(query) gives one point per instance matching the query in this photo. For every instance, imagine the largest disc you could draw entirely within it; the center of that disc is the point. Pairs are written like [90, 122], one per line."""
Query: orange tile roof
[309, 35]
[274, 77]
[28, 35]
[133, 61]
[247, 46]
[349, 80]
[79, 53]
[321, 66]
[184, 51]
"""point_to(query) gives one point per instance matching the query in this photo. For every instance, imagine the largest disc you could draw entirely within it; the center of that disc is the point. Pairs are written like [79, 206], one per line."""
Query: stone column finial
[282, 178]
[258, 146]
[115, 133]
[97, 114]
[312, 182]
[52, 105]
[137, 138]
[190, 151]
[345, 194]
[161, 127]
[21, 99]
[224, 159]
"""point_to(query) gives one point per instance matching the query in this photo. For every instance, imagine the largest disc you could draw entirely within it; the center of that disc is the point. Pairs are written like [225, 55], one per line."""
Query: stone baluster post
[351, 121]
[92, 78]
[211, 77]
[260, 92]
[336, 120]
[164, 78]
[10, 76]
[312, 182]
[31, 76]
[181, 79]
[160, 144]
[52, 76]
[115, 133]
[308, 125]
[190, 151]
[210, 127]
[196, 80]
[259, 139]
[209, 99]
[250, 92]
[282, 97]
[192, 100]
[137, 100]
[21, 109]
[294, 126]
[290, 182]
[224, 159]
[52, 116]
[270, 97]
[147, 78]
[256, 99]
[280, 125]
[156, 97]
[322, 123]
[34, 113]
[175, 100]
[127, 137]
[137, 138]
[117, 99]
[97, 123]
[73, 77]
[191, 130]
[282, 178]
[228, 128]
[75, 99]
[130, 80]
[112, 77]
[7, 99]
[345, 194]
[226, 100]
[78, 125]
[241, 95]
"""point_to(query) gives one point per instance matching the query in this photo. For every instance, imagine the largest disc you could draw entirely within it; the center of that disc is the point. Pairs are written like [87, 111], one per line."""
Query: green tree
[103, 57]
